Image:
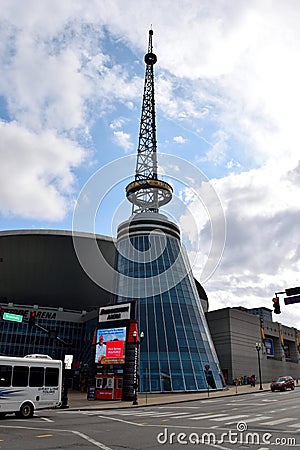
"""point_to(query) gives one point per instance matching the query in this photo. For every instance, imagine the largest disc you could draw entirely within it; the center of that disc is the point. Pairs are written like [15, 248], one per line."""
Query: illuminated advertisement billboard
[110, 346]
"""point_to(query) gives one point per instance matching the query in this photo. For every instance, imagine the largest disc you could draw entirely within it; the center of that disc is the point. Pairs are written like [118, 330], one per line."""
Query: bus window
[20, 376]
[5, 376]
[51, 376]
[36, 376]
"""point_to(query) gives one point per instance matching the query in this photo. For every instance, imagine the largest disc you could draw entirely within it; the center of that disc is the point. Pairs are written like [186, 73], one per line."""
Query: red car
[282, 384]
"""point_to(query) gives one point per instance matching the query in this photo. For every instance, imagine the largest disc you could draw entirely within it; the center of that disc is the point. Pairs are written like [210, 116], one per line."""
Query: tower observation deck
[147, 192]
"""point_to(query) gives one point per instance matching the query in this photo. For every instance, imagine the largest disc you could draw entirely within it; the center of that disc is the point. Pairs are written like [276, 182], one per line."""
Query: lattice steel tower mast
[147, 192]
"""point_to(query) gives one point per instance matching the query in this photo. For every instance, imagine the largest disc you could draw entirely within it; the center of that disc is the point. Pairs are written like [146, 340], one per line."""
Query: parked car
[282, 384]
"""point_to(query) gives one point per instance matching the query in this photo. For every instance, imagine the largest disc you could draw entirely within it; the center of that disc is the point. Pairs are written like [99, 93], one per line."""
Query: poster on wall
[269, 347]
[110, 345]
[287, 352]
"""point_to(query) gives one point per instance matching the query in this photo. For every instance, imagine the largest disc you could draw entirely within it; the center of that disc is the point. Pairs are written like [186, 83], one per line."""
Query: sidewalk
[78, 400]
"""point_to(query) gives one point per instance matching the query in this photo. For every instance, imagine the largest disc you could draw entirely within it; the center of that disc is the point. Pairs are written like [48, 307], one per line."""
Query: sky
[227, 108]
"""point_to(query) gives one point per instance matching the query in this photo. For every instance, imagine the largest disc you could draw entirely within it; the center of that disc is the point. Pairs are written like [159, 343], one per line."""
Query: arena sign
[40, 314]
[115, 312]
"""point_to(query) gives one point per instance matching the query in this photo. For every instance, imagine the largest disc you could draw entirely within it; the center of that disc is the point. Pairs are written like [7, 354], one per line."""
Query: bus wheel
[26, 411]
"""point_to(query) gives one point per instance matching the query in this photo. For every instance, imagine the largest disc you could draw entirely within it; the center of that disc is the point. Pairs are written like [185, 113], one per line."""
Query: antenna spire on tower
[147, 192]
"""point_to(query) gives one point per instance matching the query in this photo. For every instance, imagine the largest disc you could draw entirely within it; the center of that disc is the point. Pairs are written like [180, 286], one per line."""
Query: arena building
[39, 271]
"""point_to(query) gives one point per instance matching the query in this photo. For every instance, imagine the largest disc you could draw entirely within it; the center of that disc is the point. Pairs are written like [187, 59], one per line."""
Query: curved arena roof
[40, 267]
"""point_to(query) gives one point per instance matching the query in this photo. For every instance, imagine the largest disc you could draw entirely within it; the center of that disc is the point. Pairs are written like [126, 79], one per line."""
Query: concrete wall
[219, 325]
[235, 334]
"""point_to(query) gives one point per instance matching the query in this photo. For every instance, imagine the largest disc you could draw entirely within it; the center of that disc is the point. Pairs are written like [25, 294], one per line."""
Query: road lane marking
[278, 421]
[46, 419]
[116, 419]
[91, 440]
[83, 436]
[44, 435]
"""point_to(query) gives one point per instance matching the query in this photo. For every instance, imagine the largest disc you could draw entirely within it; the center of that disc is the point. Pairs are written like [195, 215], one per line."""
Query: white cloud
[231, 164]
[175, 102]
[179, 139]
[123, 140]
[117, 123]
[218, 149]
[57, 76]
[262, 252]
[36, 173]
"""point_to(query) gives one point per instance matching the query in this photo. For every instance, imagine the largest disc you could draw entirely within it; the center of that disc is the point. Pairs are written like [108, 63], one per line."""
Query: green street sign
[12, 317]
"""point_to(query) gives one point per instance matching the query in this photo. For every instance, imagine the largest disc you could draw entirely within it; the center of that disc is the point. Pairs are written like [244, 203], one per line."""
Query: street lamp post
[258, 348]
[136, 375]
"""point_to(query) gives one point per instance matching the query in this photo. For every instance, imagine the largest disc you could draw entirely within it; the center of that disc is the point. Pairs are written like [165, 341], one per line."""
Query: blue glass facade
[18, 339]
[177, 353]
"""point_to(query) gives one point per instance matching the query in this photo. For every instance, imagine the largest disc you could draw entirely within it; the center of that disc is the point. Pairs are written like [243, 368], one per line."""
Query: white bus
[29, 383]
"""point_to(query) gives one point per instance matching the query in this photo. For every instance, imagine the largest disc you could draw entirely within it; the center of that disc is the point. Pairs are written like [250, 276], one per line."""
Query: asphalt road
[254, 421]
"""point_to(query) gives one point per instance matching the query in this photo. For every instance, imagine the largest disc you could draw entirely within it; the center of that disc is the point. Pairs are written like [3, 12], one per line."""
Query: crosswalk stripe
[209, 416]
[257, 419]
[278, 421]
[294, 425]
[188, 415]
[181, 414]
[171, 414]
[230, 417]
[154, 413]
[142, 413]
[177, 407]
[212, 401]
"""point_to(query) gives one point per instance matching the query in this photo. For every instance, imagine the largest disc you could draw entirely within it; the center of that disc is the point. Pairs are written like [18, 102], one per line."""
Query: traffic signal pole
[293, 297]
[276, 303]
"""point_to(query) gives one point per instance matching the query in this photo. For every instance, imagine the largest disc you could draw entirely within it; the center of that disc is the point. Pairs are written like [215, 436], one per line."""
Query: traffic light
[293, 291]
[276, 305]
[32, 319]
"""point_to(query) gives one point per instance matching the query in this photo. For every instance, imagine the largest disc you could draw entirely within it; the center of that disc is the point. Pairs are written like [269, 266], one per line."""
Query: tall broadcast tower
[147, 192]
[177, 353]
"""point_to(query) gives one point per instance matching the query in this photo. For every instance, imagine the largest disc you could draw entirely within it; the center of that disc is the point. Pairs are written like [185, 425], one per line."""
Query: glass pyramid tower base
[177, 353]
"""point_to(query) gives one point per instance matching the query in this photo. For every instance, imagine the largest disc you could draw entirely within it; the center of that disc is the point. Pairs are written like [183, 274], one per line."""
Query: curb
[144, 405]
